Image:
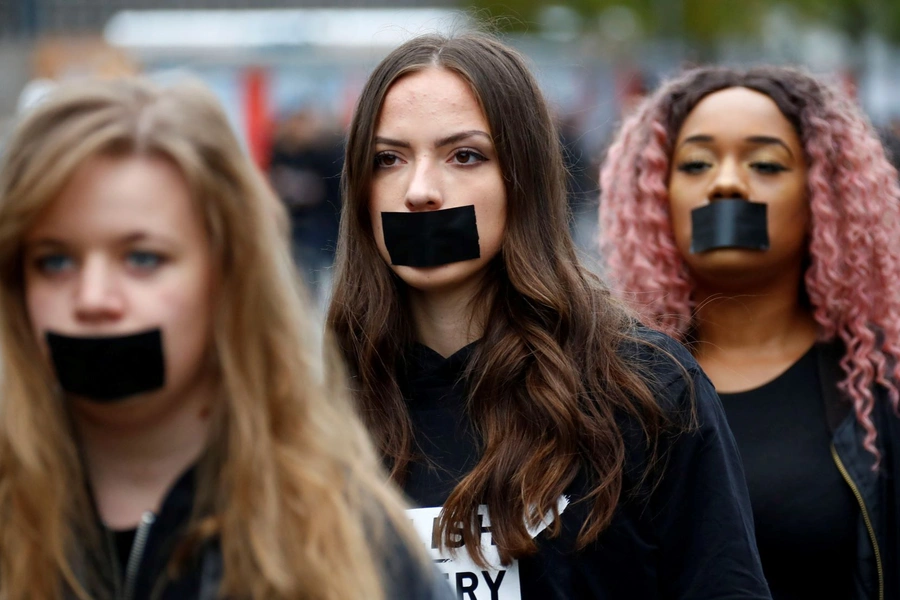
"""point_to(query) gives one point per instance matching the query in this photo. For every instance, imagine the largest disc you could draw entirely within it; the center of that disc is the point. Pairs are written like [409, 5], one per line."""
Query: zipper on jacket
[136, 554]
[866, 519]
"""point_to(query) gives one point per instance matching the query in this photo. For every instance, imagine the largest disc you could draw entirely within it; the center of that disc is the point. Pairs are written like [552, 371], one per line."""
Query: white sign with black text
[470, 581]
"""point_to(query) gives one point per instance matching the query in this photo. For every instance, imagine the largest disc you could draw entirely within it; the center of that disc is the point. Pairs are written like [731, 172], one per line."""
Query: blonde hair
[289, 483]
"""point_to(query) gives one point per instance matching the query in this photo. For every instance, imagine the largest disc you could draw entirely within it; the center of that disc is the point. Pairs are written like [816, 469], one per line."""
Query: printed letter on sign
[471, 581]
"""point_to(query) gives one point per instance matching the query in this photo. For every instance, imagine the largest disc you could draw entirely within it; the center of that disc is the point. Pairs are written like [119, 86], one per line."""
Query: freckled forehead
[738, 112]
[432, 98]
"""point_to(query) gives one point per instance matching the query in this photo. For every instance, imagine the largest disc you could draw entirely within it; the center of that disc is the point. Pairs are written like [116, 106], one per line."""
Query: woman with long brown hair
[554, 448]
[168, 427]
[753, 214]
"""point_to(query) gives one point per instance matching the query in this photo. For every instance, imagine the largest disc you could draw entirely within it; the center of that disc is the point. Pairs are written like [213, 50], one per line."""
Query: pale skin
[750, 321]
[123, 250]
[433, 151]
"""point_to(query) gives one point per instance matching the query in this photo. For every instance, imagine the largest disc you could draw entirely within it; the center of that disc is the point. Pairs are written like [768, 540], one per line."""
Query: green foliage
[707, 20]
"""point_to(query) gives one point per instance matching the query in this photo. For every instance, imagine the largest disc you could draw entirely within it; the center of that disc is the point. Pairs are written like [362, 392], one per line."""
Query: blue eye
[54, 263]
[146, 261]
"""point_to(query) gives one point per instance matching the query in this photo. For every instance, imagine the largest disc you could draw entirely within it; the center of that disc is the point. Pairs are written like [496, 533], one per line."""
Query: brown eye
[385, 159]
[693, 167]
[768, 168]
[468, 157]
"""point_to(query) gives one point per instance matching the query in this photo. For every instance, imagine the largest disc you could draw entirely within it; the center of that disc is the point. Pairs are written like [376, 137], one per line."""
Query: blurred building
[30, 18]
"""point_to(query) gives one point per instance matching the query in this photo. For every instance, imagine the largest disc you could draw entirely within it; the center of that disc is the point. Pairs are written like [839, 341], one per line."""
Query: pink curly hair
[854, 195]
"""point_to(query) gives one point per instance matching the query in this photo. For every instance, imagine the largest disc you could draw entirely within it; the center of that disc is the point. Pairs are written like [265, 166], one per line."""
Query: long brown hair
[548, 378]
[289, 484]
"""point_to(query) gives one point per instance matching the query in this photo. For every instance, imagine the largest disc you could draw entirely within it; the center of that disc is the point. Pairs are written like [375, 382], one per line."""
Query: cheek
[187, 323]
[790, 214]
[490, 215]
[491, 224]
[789, 226]
[680, 218]
[46, 308]
[182, 306]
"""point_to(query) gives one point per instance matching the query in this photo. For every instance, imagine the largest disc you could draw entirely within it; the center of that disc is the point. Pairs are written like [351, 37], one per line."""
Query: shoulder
[664, 363]
[680, 388]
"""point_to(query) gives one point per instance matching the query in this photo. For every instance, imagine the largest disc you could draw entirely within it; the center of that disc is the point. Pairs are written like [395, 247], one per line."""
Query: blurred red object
[258, 120]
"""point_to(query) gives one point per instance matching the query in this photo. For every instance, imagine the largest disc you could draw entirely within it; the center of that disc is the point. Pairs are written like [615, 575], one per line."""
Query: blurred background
[289, 71]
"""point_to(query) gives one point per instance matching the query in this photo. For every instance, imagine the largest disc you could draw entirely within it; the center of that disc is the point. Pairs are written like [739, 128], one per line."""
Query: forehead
[428, 98]
[106, 195]
[740, 112]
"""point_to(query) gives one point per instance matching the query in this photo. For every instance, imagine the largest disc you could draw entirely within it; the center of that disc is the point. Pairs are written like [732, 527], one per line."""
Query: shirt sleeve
[702, 508]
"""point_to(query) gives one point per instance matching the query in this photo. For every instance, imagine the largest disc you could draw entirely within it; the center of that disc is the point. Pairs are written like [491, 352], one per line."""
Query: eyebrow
[769, 140]
[131, 238]
[444, 141]
[765, 140]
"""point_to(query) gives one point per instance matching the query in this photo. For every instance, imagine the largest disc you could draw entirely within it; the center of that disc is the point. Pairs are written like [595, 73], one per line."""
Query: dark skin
[750, 322]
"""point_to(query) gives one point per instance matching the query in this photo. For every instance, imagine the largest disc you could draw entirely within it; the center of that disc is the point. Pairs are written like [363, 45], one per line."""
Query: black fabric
[123, 540]
[729, 223]
[405, 577]
[877, 565]
[448, 446]
[106, 369]
[431, 238]
[828, 367]
[801, 504]
[691, 537]
[164, 534]
[887, 497]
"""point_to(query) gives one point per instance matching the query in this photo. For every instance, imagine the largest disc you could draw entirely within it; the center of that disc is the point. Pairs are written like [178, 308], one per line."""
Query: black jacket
[877, 575]
[145, 576]
[691, 536]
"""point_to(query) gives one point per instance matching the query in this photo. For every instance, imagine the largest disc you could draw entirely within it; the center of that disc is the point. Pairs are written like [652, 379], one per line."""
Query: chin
[729, 256]
[444, 278]
[731, 266]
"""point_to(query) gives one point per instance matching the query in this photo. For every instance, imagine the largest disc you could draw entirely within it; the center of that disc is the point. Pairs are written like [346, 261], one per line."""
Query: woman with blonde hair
[753, 214]
[168, 427]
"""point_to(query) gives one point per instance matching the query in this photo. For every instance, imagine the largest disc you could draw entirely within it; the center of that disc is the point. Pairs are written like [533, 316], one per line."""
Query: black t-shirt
[806, 515]
[691, 538]
[123, 540]
[447, 443]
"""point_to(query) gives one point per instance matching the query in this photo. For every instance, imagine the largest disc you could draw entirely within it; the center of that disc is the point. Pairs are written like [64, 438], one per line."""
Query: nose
[729, 182]
[424, 189]
[98, 296]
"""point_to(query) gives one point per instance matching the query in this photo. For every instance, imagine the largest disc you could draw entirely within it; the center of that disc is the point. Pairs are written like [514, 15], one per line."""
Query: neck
[765, 318]
[136, 450]
[444, 321]
[748, 339]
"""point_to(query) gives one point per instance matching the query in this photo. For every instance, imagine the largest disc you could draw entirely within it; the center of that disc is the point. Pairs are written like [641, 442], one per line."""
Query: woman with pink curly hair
[753, 214]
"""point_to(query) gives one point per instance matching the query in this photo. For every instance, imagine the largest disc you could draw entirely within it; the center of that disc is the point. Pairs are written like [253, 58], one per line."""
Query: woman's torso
[637, 556]
[805, 514]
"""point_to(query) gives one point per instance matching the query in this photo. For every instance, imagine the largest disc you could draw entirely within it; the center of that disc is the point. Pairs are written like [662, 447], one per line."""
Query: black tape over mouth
[431, 238]
[108, 368]
[729, 223]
